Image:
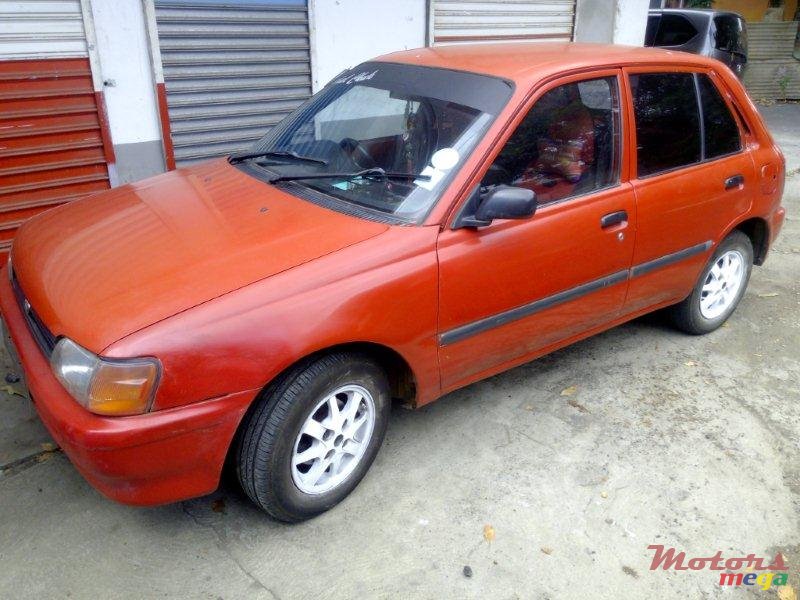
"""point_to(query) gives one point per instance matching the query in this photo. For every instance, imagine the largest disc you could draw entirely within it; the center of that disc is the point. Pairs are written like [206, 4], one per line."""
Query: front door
[516, 287]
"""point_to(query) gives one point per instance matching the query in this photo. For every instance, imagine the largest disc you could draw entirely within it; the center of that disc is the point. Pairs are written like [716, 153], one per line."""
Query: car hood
[104, 267]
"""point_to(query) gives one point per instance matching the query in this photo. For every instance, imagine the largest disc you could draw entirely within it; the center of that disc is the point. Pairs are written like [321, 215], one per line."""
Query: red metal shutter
[51, 142]
[55, 144]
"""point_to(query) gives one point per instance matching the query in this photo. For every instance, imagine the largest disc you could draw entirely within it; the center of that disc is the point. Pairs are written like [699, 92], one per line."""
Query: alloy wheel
[333, 439]
[722, 284]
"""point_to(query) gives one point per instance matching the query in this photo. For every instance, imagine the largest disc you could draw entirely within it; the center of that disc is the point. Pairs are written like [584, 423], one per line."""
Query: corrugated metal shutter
[232, 70]
[770, 62]
[52, 146]
[32, 28]
[502, 20]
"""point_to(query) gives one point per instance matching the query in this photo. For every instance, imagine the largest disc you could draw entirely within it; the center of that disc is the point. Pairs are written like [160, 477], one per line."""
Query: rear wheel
[719, 289]
[313, 435]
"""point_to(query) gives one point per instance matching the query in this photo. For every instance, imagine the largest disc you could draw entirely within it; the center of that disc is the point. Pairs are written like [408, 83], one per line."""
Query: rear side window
[674, 30]
[668, 132]
[721, 134]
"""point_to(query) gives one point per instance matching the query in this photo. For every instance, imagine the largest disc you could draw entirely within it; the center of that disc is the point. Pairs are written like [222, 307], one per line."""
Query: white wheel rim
[722, 284]
[333, 439]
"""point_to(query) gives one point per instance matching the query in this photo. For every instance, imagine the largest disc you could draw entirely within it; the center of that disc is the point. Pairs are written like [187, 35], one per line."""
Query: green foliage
[783, 83]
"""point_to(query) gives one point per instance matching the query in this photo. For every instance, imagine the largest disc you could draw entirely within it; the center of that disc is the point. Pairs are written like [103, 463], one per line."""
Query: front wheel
[719, 289]
[313, 435]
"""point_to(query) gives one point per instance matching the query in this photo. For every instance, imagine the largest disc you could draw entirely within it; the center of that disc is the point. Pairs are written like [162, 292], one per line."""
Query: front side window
[568, 144]
[667, 121]
[721, 134]
[406, 128]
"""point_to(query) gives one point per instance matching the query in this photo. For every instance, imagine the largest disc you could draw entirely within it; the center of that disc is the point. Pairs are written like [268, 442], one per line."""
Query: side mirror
[502, 202]
[506, 202]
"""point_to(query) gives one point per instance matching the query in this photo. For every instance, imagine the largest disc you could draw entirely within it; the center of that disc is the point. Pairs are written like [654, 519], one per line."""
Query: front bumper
[155, 458]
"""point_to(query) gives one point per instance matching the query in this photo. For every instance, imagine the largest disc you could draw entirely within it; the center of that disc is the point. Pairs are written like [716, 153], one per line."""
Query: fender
[242, 340]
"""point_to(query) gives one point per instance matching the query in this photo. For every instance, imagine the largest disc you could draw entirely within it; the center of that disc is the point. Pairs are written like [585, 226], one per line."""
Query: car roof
[526, 62]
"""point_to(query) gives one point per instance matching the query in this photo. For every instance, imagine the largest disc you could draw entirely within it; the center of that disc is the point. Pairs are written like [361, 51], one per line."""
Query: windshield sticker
[435, 177]
[445, 159]
[357, 78]
[442, 161]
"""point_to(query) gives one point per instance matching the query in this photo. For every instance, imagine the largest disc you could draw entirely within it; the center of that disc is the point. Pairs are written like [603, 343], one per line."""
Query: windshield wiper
[374, 173]
[235, 158]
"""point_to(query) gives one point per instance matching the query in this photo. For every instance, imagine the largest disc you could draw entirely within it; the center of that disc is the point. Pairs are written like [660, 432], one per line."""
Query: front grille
[38, 329]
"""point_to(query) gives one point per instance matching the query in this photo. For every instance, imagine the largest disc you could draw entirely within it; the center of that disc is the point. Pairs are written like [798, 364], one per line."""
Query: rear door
[694, 179]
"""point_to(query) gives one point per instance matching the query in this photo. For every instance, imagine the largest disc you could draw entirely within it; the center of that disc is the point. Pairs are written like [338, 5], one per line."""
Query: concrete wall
[754, 10]
[611, 21]
[128, 88]
[347, 32]
[751, 10]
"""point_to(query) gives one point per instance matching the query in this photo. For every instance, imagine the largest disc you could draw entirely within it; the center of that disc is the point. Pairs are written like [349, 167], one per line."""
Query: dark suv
[720, 35]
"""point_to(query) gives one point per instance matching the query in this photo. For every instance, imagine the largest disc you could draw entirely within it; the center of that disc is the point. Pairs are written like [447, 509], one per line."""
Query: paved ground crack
[26, 462]
[224, 546]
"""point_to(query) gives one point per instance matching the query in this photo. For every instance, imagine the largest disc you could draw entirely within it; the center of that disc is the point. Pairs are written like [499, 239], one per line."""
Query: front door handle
[734, 182]
[613, 218]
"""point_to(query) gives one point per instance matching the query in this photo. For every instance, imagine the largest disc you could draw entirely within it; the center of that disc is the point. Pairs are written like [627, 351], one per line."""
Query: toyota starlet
[428, 219]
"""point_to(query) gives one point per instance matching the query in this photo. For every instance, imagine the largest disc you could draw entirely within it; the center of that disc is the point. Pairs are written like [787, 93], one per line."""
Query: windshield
[413, 126]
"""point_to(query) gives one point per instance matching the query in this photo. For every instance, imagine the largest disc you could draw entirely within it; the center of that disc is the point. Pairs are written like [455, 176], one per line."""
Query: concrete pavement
[577, 462]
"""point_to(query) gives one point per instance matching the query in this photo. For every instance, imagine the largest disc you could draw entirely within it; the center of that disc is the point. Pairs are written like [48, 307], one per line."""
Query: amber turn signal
[106, 387]
[122, 388]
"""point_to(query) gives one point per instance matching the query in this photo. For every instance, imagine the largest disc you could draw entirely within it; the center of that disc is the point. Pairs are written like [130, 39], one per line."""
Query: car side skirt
[509, 316]
[526, 358]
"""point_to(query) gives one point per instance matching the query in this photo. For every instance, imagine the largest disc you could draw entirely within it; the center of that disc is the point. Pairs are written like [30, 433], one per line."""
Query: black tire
[687, 315]
[269, 431]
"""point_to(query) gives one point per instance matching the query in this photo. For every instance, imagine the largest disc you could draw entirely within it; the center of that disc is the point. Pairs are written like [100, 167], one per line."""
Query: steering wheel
[357, 153]
[496, 175]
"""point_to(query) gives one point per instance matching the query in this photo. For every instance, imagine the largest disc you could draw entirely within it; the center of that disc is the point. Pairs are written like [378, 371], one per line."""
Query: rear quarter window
[721, 134]
[730, 34]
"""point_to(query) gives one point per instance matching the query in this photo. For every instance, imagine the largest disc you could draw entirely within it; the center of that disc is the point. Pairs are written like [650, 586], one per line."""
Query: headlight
[105, 387]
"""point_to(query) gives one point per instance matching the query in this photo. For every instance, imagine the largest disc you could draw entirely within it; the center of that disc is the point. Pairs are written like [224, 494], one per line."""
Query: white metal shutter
[33, 28]
[502, 20]
[232, 70]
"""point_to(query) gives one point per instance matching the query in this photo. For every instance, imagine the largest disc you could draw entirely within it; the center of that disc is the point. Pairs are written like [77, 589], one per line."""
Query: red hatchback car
[380, 243]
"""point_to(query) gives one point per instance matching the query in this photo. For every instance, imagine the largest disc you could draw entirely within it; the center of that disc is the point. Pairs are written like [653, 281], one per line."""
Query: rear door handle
[734, 182]
[613, 218]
